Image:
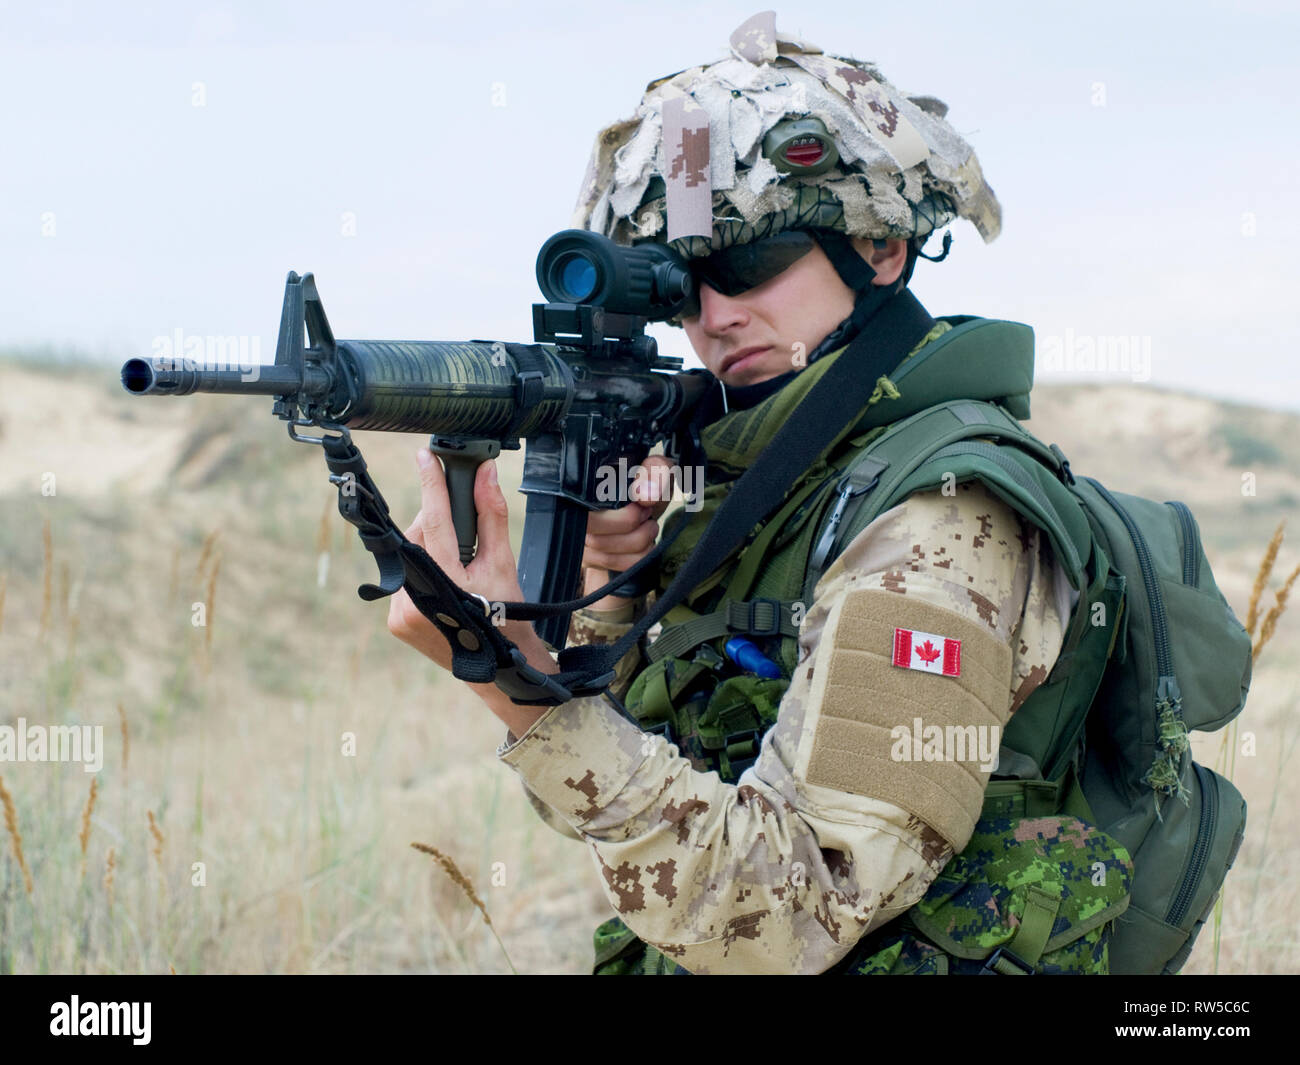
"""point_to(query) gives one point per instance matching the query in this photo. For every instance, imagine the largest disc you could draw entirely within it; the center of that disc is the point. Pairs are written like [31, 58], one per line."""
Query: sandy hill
[121, 514]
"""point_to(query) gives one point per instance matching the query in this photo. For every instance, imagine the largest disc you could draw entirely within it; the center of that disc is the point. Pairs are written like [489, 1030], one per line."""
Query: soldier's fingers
[622, 520]
[605, 560]
[411, 627]
[640, 539]
[436, 529]
[494, 552]
[654, 481]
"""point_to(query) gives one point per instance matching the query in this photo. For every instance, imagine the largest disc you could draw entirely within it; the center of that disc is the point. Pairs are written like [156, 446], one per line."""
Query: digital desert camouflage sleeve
[820, 841]
[596, 627]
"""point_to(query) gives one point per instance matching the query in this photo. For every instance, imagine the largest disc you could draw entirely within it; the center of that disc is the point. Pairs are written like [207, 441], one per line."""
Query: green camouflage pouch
[899, 953]
[718, 724]
[730, 728]
[1027, 895]
[620, 953]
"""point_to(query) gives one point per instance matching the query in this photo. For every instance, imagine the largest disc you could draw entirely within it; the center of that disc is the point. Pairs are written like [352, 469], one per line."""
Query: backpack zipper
[1191, 543]
[1200, 850]
[1159, 626]
[1209, 791]
[1167, 687]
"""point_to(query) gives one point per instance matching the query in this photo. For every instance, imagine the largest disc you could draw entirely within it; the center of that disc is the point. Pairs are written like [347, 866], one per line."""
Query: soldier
[777, 811]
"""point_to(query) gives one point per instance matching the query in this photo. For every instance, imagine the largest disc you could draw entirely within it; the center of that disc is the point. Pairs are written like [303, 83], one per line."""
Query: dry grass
[1269, 626]
[87, 810]
[457, 877]
[1261, 577]
[15, 837]
[126, 735]
[157, 847]
[302, 843]
[209, 542]
[466, 885]
[1226, 760]
[110, 869]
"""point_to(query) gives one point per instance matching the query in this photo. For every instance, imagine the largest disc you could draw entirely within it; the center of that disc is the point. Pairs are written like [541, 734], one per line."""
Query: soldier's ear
[887, 258]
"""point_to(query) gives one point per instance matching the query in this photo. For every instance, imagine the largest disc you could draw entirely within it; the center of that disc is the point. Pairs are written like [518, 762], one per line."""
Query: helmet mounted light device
[800, 146]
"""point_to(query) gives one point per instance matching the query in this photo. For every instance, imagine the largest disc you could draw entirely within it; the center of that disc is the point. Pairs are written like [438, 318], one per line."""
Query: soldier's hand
[616, 539]
[491, 573]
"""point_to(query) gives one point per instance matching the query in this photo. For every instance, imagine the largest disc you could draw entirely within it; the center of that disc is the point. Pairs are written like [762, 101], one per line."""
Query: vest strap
[753, 617]
[1019, 957]
[1021, 798]
[1037, 798]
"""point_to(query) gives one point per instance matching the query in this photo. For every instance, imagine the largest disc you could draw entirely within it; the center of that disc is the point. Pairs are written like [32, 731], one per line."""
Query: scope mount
[598, 332]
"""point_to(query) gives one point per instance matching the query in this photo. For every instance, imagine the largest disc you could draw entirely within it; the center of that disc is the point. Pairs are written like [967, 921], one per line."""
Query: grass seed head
[15, 837]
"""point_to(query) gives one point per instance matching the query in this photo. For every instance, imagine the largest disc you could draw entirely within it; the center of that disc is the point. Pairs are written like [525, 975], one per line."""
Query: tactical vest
[1039, 886]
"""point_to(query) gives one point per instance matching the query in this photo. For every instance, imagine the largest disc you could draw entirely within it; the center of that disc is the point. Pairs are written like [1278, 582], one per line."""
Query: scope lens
[577, 277]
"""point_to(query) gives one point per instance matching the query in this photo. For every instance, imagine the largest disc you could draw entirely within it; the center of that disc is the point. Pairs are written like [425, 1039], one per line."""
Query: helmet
[780, 136]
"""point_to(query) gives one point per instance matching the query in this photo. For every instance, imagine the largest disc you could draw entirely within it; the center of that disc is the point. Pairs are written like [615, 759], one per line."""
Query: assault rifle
[590, 391]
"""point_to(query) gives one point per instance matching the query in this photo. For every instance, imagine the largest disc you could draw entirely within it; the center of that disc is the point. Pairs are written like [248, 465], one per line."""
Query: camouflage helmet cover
[689, 167]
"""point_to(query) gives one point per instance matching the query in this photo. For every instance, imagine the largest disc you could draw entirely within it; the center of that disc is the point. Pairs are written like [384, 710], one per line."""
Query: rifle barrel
[167, 377]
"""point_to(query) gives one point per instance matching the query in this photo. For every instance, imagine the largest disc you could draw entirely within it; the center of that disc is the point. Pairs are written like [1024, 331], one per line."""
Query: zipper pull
[860, 479]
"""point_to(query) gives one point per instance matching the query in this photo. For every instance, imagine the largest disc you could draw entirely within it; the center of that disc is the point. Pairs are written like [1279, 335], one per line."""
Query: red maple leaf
[928, 652]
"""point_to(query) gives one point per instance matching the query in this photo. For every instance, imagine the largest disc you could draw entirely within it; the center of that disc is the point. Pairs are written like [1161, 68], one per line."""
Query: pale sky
[166, 164]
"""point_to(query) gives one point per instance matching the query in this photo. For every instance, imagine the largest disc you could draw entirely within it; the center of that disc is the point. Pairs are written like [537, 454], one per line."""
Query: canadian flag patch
[914, 649]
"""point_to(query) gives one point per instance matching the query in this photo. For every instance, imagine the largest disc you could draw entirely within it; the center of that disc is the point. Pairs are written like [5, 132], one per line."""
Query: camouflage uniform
[830, 834]
[827, 836]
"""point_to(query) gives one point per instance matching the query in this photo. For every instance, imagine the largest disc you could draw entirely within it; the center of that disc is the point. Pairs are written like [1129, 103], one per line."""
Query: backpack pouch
[1183, 866]
[1033, 894]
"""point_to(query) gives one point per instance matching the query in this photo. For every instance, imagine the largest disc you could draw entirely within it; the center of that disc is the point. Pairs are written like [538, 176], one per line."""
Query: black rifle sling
[830, 406]
[480, 652]
[471, 625]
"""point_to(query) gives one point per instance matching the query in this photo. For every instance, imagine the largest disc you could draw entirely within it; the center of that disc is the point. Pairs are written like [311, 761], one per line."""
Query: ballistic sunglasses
[737, 269]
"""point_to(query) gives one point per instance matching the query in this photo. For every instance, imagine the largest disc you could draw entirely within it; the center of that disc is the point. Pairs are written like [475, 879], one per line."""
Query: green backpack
[1176, 659]
[1107, 850]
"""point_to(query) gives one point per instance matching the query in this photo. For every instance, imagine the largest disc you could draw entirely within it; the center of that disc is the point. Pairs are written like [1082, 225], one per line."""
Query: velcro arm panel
[926, 742]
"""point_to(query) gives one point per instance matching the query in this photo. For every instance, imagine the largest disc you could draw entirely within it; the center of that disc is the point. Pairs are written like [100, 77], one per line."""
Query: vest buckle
[751, 623]
[1003, 963]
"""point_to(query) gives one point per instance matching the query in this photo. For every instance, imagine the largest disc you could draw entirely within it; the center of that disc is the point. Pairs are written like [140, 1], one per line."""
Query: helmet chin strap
[857, 274]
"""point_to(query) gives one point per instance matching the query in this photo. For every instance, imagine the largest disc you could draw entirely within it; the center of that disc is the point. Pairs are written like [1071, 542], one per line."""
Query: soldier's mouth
[740, 359]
